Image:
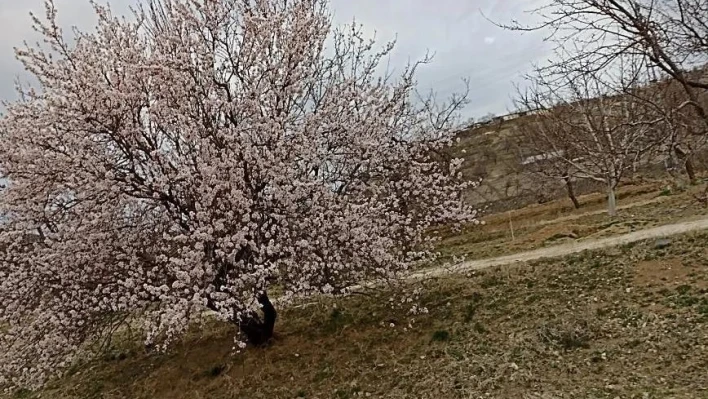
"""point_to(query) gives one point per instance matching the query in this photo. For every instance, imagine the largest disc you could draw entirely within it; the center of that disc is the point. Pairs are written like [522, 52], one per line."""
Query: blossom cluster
[197, 154]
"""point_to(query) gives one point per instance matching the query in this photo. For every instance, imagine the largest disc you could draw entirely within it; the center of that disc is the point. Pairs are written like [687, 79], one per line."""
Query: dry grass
[629, 322]
[553, 223]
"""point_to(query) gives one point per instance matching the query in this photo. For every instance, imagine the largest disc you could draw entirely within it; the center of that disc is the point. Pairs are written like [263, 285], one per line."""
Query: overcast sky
[465, 44]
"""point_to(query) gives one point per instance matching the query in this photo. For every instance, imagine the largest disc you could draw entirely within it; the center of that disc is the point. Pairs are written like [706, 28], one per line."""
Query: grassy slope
[526, 331]
[628, 322]
[553, 223]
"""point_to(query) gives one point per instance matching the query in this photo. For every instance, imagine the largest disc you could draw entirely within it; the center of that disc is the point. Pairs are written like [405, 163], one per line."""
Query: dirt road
[551, 252]
[566, 249]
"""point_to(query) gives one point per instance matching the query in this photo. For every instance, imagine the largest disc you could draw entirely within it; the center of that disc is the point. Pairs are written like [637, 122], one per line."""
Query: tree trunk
[690, 171]
[703, 199]
[688, 163]
[256, 330]
[611, 199]
[571, 191]
[259, 332]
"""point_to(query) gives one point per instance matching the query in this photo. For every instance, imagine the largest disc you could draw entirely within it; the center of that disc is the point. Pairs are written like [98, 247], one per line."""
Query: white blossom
[198, 155]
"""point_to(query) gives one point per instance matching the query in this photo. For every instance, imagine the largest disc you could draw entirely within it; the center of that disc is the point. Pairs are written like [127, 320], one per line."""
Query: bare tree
[585, 127]
[671, 36]
[538, 158]
[679, 127]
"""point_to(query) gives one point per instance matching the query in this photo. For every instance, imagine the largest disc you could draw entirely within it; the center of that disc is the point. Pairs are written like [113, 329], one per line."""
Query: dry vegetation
[628, 322]
[640, 206]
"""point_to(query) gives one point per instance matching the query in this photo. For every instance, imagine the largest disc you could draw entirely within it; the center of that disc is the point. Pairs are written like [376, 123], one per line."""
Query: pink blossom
[198, 154]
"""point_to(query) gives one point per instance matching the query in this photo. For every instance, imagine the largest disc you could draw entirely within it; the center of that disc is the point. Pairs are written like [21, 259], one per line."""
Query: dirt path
[551, 252]
[567, 249]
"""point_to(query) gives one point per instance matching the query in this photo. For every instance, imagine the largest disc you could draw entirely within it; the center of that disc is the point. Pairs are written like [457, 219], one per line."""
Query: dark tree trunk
[259, 331]
[256, 330]
[703, 199]
[571, 191]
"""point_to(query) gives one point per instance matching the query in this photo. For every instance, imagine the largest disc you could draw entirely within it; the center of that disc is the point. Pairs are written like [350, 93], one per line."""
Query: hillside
[214, 199]
[624, 322]
[628, 322]
[492, 154]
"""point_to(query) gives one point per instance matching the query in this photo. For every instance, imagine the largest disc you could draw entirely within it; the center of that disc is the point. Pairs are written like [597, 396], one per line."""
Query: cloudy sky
[465, 44]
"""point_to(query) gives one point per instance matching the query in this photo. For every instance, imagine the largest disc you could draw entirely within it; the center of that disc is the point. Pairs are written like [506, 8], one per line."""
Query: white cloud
[490, 39]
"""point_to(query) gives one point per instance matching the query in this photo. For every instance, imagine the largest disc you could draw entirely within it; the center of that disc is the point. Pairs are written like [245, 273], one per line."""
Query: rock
[662, 243]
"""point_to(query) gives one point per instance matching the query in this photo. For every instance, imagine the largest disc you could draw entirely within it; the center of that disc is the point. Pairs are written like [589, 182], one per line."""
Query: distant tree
[670, 36]
[487, 118]
[199, 156]
[589, 128]
[469, 122]
[668, 41]
[536, 156]
[680, 131]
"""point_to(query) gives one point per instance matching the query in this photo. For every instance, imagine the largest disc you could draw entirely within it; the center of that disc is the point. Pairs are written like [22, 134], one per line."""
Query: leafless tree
[540, 159]
[671, 36]
[681, 131]
[583, 126]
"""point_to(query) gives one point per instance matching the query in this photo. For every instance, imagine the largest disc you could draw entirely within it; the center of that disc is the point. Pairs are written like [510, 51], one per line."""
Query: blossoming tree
[198, 154]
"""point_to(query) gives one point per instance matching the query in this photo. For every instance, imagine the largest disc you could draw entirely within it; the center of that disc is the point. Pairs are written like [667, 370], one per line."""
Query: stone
[662, 243]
